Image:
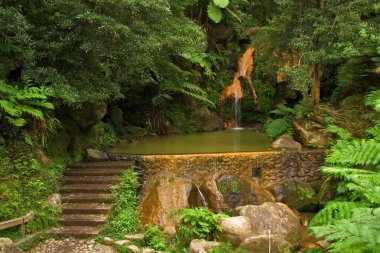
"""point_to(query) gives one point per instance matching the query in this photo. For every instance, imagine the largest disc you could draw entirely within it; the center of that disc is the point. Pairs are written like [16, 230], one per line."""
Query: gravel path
[71, 246]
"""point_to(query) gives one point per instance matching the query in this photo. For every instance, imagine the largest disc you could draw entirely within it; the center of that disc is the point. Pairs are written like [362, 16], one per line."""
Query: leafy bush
[352, 222]
[103, 135]
[283, 124]
[25, 184]
[197, 223]
[124, 218]
[155, 239]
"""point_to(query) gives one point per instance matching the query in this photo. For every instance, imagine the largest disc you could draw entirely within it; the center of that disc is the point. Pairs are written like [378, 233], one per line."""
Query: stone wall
[266, 168]
[178, 181]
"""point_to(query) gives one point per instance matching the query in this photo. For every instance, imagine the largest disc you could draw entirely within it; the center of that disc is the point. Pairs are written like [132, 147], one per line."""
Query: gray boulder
[274, 218]
[96, 155]
[7, 246]
[89, 114]
[286, 142]
[236, 229]
[265, 243]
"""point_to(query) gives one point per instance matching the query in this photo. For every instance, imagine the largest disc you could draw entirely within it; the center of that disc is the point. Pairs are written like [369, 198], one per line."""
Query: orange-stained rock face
[218, 180]
[234, 91]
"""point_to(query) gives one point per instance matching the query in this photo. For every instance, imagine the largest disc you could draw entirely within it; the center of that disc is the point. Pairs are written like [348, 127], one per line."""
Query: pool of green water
[197, 143]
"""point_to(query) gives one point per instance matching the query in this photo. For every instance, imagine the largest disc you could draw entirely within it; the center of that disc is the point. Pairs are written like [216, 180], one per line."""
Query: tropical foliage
[352, 221]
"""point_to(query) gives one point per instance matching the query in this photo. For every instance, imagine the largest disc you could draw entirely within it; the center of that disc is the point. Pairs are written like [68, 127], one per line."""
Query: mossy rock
[297, 195]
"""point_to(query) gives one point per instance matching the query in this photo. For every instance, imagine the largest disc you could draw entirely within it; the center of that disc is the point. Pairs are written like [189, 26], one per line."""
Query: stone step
[87, 188]
[90, 179]
[87, 198]
[83, 219]
[86, 208]
[95, 165]
[75, 231]
[93, 172]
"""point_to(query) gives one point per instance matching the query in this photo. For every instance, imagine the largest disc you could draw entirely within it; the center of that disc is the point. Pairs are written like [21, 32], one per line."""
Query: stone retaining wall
[266, 168]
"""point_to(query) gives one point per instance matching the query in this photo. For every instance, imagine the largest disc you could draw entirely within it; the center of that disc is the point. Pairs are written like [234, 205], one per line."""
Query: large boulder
[237, 191]
[7, 246]
[265, 243]
[89, 114]
[163, 194]
[236, 229]
[277, 218]
[201, 246]
[313, 133]
[96, 155]
[212, 123]
[286, 142]
[297, 195]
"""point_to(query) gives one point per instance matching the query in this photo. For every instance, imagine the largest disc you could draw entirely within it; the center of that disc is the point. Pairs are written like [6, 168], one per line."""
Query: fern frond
[357, 234]
[10, 108]
[284, 111]
[17, 122]
[375, 131]
[193, 87]
[35, 113]
[199, 98]
[355, 152]
[373, 100]
[161, 99]
[332, 212]
[342, 133]
[278, 127]
[6, 89]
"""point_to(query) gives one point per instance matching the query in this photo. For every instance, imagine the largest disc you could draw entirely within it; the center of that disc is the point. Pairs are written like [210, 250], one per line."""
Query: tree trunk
[316, 90]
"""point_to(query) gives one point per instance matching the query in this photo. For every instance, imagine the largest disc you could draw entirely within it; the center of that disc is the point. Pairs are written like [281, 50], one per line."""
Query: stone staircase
[86, 197]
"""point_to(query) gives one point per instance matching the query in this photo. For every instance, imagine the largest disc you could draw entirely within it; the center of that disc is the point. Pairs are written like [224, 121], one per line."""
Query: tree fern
[352, 222]
[355, 152]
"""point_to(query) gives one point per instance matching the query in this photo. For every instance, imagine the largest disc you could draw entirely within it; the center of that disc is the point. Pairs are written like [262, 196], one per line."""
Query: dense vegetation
[161, 65]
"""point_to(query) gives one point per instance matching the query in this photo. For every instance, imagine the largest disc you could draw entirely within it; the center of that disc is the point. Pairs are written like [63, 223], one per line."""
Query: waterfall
[204, 202]
[237, 110]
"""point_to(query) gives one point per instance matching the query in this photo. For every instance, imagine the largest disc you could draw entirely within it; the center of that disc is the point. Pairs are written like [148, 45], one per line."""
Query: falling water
[237, 110]
[204, 202]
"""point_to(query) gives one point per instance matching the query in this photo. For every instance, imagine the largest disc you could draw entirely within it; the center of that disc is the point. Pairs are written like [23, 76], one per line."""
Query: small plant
[155, 239]
[283, 124]
[197, 223]
[124, 219]
[227, 248]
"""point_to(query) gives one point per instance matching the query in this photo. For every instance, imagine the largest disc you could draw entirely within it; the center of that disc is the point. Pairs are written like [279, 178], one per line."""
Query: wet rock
[201, 246]
[96, 155]
[286, 142]
[211, 123]
[297, 195]
[277, 218]
[237, 191]
[133, 249]
[164, 194]
[89, 114]
[207, 195]
[54, 200]
[236, 229]
[7, 246]
[313, 134]
[260, 243]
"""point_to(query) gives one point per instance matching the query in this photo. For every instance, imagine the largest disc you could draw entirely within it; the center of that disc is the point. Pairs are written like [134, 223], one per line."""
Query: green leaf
[221, 3]
[214, 13]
